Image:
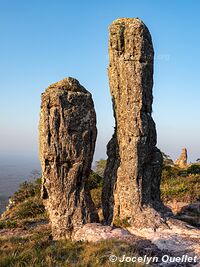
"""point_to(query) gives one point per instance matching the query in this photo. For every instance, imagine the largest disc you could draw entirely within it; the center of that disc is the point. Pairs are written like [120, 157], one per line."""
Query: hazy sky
[43, 41]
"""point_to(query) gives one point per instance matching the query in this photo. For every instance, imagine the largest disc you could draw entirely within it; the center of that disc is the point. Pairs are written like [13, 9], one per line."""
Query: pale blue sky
[43, 41]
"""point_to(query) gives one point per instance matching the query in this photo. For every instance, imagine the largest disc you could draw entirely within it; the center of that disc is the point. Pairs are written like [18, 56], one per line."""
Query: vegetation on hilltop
[26, 236]
[180, 184]
[25, 207]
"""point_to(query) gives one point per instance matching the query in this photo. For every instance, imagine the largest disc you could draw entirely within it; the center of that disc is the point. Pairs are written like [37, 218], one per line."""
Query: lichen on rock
[131, 186]
[67, 141]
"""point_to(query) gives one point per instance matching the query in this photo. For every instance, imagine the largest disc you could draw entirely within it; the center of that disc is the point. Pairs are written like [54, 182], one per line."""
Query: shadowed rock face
[182, 160]
[67, 140]
[131, 186]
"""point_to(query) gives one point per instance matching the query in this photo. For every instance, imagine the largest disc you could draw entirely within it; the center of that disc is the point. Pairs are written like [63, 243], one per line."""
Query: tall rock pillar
[131, 186]
[67, 140]
[182, 160]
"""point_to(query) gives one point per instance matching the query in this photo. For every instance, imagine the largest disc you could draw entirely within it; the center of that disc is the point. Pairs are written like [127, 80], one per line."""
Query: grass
[40, 251]
[33, 246]
[177, 184]
[26, 207]
[30, 208]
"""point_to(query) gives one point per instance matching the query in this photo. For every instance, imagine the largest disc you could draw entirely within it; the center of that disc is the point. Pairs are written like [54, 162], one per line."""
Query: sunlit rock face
[182, 160]
[67, 140]
[131, 186]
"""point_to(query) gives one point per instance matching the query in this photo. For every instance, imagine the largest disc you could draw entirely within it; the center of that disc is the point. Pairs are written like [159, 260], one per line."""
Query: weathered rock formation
[67, 140]
[182, 160]
[131, 187]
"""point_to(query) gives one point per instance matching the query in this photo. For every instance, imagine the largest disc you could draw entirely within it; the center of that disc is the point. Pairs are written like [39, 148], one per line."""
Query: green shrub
[167, 159]
[194, 169]
[185, 189]
[8, 224]
[30, 208]
[96, 196]
[94, 180]
[121, 222]
[100, 167]
[169, 172]
[26, 190]
[183, 173]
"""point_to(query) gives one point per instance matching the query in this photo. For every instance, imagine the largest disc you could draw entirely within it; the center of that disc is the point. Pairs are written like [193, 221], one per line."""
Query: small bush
[26, 190]
[30, 208]
[183, 173]
[169, 172]
[121, 222]
[94, 181]
[100, 167]
[180, 188]
[95, 186]
[96, 196]
[8, 224]
[194, 169]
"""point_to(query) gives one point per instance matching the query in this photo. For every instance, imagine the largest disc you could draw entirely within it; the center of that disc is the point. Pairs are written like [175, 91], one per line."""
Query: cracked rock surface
[67, 140]
[131, 186]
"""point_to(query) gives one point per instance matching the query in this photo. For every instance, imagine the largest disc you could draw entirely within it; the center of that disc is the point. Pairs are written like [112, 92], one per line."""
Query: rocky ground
[179, 239]
[25, 234]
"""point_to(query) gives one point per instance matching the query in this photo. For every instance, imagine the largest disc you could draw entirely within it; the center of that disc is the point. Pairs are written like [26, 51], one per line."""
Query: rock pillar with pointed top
[131, 186]
[182, 160]
[67, 140]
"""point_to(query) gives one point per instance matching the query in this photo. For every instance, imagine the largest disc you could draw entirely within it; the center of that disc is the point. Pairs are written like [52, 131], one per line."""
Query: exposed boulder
[131, 186]
[182, 160]
[67, 140]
